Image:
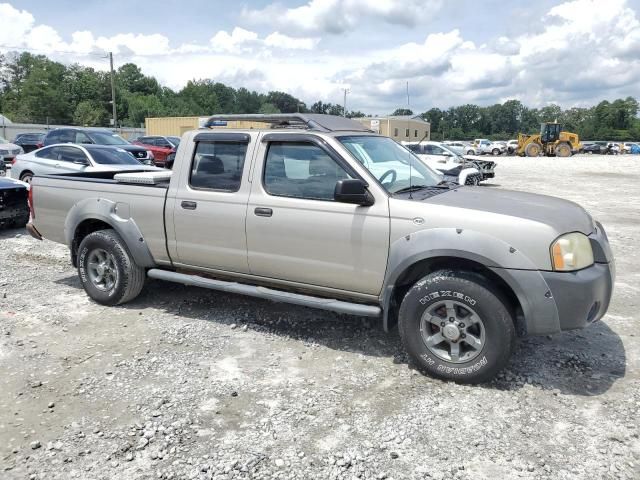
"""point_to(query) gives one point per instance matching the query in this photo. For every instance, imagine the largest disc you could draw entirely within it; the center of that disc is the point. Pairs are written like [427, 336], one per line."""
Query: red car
[162, 148]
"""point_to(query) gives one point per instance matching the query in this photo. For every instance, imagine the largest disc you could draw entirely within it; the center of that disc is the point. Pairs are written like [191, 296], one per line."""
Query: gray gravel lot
[189, 383]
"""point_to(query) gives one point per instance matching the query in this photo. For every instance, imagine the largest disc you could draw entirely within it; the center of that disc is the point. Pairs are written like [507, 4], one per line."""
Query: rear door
[210, 206]
[297, 232]
[44, 162]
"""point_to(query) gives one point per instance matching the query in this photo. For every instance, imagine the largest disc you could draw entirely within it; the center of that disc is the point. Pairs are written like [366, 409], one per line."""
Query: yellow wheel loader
[551, 141]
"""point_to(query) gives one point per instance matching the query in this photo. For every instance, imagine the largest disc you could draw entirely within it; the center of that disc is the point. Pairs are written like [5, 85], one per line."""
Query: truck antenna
[409, 136]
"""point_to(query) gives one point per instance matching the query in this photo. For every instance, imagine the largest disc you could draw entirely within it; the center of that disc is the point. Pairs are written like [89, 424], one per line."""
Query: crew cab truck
[292, 213]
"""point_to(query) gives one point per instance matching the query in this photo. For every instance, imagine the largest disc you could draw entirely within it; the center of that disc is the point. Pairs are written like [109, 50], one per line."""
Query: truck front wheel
[455, 328]
[107, 271]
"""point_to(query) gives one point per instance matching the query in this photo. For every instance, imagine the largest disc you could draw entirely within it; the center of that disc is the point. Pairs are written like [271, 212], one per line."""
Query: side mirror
[447, 154]
[353, 191]
[82, 162]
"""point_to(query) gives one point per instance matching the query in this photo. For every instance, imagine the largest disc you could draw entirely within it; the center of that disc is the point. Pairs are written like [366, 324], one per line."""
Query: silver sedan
[69, 158]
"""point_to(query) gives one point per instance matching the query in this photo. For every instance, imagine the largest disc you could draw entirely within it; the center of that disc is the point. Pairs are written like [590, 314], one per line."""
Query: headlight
[571, 252]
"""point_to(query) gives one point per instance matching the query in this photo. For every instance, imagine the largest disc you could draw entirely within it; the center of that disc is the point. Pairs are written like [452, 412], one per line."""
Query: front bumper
[581, 297]
[557, 301]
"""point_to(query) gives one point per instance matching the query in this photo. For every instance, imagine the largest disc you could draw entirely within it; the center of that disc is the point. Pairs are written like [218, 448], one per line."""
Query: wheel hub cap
[451, 332]
[102, 270]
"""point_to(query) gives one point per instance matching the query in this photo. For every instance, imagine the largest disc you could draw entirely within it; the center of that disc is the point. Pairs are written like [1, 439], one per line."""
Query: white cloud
[339, 16]
[15, 24]
[225, 42]
[277, 39]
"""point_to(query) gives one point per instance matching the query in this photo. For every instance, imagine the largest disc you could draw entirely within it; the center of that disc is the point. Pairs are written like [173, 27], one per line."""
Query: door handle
[263, 212]
[189, 205]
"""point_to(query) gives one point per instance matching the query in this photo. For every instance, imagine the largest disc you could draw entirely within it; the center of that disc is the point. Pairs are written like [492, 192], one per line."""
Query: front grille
[140, 154]
[13, 198]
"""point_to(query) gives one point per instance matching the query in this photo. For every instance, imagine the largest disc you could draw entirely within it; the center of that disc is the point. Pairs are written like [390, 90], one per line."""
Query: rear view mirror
[353, 191]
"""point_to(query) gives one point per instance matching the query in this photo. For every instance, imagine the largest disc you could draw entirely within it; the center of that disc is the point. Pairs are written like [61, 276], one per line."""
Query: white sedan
[70, 158]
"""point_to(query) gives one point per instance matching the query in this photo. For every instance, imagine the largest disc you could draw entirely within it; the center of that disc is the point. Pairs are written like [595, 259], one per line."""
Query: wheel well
[424, 267]
[24, 172]
[82, 230]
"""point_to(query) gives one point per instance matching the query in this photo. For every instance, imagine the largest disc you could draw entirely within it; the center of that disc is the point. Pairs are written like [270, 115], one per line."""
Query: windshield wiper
[447, 183]
[412, 188]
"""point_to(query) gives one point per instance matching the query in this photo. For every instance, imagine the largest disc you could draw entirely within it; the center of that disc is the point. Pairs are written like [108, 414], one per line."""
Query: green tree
[90, 113]
[268, 108]
[401, 112]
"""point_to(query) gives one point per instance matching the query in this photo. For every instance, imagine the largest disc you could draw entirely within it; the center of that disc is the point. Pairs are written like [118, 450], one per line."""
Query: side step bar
[268, 293]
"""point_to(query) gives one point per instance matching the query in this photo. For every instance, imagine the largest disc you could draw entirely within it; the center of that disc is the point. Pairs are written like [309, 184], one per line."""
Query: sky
[452, 52]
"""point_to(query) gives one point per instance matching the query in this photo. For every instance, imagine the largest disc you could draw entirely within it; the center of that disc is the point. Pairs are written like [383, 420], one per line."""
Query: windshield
[102, 138]
[174, 140]
[390, 163]
[114, 156]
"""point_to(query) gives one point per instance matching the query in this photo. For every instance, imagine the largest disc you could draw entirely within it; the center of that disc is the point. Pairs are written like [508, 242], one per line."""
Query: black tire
[26, 177]
[495, 152]
[21, 222]
[533, 150]
[467, 292]
[129, 278]
[563, 150]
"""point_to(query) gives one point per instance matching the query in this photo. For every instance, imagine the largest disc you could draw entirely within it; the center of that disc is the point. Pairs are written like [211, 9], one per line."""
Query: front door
[297, 232]
[209, 213]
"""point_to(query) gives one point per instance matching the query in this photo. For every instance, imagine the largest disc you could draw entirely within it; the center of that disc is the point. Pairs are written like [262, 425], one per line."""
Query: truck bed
[56, 197]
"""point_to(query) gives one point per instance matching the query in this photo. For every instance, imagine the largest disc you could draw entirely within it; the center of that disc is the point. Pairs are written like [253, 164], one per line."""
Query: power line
[95, 54]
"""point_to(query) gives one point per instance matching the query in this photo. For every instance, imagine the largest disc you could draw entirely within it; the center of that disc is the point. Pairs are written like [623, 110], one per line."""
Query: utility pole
[113, 92]
[346, 91]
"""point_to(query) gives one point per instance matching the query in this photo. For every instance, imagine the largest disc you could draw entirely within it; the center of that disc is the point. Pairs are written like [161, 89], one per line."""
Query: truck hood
[562, 215]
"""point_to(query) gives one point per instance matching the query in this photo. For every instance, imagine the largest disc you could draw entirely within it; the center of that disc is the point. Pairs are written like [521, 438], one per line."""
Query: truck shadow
[584, 362]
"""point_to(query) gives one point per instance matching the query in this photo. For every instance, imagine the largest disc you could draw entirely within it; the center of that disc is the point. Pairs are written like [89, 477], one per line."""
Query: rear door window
[82, 137]
[50, 153]
[71, 155]
[218, 166]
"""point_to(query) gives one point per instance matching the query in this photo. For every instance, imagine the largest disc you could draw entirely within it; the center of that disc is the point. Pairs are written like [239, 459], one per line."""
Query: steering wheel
[391, 172]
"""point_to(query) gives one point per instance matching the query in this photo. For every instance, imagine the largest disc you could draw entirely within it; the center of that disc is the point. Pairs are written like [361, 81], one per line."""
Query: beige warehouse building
[176, 126]
[400, 128]
[403, 128]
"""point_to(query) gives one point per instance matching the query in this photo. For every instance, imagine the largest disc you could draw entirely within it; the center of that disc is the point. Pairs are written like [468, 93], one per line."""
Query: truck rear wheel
[533, 150]
[107, 271]
[455, 328]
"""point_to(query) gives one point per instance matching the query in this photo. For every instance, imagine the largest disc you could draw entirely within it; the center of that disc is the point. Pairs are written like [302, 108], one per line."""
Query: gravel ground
[189, 383]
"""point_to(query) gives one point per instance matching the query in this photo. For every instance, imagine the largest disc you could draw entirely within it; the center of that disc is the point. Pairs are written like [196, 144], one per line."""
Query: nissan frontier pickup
[318, 211]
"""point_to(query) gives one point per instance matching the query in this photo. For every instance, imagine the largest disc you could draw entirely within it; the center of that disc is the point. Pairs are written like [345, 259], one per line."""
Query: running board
[268, 293]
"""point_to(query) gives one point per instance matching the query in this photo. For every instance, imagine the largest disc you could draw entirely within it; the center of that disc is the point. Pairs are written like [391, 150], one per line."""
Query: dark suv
[97, 137]
[29, 141]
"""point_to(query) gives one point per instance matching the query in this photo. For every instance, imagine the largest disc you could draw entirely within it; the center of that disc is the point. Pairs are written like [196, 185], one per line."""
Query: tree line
[35, 89]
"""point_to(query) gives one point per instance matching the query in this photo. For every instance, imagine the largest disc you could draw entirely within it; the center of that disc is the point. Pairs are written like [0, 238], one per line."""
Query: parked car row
[610, 148]
[481, 146]
[69, 150]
